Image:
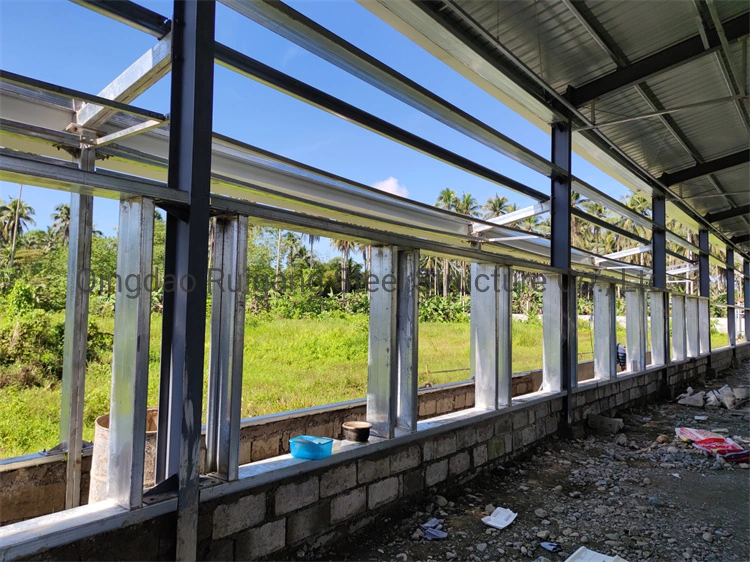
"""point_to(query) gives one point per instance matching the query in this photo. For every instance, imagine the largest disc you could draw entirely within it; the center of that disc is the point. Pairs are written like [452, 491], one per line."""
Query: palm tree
[311, 239]
[495, 206]
[345, 247]
[446, 200]
[61, 221]
[466, 205]
[15, 212]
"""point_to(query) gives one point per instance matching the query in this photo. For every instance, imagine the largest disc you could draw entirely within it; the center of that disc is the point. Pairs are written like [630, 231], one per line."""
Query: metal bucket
[100, 460]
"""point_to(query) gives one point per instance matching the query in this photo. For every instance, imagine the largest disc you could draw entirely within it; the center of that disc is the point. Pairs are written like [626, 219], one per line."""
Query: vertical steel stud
[407, 339]
[605, 332]
[635, 327]
[731, 317]
[679, 336]
[692, 327]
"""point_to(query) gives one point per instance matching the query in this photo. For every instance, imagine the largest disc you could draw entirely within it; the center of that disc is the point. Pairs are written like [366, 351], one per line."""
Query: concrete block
[440, 447]
[266, 448]
[459, 401]
[436, 472]
[380, 493]
[504, 424]
[465, 438]
[445, 404]
[479, 455]
[496, 447]
[556, 405]
[295, 495]
[459, 463]
[348, 504]
[308, 522]
[428, 408]
[550, 424]
[220, 550]
[541, 410]
[322, 430]
[484, 432]
[470, 398]
[242, 514]
[520, 419]
[528, 435]
[261, 541]
[412, 482]
[406, 459]
[369, 470]
[338, 479]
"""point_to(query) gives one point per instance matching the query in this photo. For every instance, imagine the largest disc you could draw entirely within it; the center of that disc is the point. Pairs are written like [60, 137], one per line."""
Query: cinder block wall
[324, 505]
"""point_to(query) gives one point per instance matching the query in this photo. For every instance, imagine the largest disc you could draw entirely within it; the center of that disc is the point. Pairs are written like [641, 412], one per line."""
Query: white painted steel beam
[228, 282]
[704, 326]
[407, 340]
[692, 326]
[635, 327]
[679, 335]
[127, 420]
[151, 67]
[659, 327]
[513, 216]
[605, 332]
[76, 334]
[552, 334]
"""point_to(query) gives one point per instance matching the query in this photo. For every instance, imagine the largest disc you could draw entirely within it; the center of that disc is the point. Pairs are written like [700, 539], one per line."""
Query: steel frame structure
[175, 162]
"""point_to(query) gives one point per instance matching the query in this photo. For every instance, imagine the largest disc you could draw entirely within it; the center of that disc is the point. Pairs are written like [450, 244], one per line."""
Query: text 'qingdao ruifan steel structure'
[674, 73]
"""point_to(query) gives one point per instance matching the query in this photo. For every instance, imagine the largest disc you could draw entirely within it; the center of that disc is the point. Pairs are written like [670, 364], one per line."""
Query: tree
[446, 200]
[345, 247]
[61, 221]
[466, 205]
[495, 206]
[311, 239]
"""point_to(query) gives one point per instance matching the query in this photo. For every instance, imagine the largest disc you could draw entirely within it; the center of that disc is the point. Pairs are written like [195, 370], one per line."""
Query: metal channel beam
[130, 358]
[636, 328]
[513, 216]
[251, 68]
[679, 335]
[76, 334]
[228, 282]
[296, 27]
[552, 334]
[184, 317]
[605, 331]
[407, 340]
[692, 327]
[704, 326]
[746, 295]
[130, 14]
[728, 214]
[657, 63]
[624, 253]
[140, 76]
[659, 243]
[706, 168]
[731, 317]
[382, 383]
[704, 270]
[659, 327]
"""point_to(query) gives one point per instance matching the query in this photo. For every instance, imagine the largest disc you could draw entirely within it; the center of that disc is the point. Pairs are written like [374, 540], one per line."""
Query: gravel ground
[639, 494]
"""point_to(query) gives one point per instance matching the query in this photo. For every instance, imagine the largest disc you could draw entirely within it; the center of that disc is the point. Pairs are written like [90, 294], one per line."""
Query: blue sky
[61, 42]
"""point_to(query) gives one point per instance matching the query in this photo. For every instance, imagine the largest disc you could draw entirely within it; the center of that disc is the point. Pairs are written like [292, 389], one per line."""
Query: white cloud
[391, 185]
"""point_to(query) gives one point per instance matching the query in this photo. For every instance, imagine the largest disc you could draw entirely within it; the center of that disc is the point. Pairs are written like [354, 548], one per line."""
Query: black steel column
[704, 283]
[731, 325]
[560, 256]
[659, 263]
[187, 257]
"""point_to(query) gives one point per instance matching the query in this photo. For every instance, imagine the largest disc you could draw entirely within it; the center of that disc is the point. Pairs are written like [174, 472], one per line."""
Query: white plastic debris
[583, 554]
[500, 518]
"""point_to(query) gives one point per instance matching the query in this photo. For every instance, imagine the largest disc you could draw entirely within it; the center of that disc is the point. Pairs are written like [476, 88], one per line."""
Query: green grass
[288, 364]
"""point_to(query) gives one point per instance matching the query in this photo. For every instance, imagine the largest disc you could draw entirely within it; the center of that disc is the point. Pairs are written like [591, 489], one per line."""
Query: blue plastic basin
[310, 447]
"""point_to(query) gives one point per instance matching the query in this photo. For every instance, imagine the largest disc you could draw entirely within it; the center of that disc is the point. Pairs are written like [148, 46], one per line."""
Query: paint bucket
[100, 460]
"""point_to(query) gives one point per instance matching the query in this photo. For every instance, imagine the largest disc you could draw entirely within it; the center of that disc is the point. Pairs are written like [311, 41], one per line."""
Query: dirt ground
[627, 494]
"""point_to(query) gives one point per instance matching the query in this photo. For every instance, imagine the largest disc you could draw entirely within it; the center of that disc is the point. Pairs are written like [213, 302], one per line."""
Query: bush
[437, 308]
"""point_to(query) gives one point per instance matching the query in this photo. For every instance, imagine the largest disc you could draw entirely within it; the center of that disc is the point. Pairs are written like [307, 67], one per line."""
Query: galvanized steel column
[704, 326]
[605, 332]
[635, 328]
[228, 280]
[691, 326]
[679, 337]
[382, 359]
[552, 334]
[407, 339]
[659, 327]
[184, 318]
[76, 332]
[731, 318]
[127, 419]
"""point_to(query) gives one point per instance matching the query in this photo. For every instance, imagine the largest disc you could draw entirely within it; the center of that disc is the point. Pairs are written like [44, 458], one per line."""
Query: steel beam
[704, 326]
[657, 63]
[692, 327]
[746, 296]
[679, 336]
[731, 317]
[513, 216]
[741, 239]
[704, 271]
[728, 214]
[407, 340]
[139, 77]
[228, 280]
[636, 329]
[76, 332]
[659, 301]
[605, 331]
[184, 317]
[706, 168]
[130, 358]
[130, 14]
[659, 242]
[382, 362]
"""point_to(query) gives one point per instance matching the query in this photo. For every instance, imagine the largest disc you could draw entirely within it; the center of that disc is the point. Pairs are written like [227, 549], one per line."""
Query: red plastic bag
[721, 447]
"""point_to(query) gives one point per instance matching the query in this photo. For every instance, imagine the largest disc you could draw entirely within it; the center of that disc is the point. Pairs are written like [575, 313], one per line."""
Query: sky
[60, 42]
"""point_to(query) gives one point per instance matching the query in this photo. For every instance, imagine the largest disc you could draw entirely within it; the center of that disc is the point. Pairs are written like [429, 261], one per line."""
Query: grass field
[288, 364]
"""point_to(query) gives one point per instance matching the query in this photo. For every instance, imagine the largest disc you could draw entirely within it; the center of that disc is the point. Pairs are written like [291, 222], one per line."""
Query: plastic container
[310, 447]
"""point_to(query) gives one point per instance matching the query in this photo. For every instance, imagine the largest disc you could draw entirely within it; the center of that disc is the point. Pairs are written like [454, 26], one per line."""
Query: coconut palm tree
[446, 200]
[61, 221]
[466, 205]
[345, 247]
[495, 206]
[311, 239]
